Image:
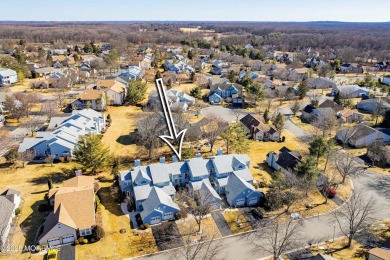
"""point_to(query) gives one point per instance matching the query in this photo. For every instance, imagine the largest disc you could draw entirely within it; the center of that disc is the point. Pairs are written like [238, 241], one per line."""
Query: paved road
[67, 252]
[226, 113]
[316, 229]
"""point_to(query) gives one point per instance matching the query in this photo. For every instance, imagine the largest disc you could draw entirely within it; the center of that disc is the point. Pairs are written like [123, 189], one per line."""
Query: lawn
[305, 126]
[129, 244]
[337, 250]
[188, 226]
[258, 151]
[232, 216]
[31, 181]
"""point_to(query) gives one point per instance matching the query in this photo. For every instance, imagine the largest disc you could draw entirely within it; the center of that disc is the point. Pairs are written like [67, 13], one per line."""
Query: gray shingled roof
[6, 212]
[141, 192]
[159, 173]
[229, 162]
[235, 186]
[156, 197]
[209, 190]
[198, 166]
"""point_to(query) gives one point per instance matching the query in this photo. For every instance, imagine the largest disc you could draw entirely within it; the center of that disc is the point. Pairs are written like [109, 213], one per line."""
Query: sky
[196, 10]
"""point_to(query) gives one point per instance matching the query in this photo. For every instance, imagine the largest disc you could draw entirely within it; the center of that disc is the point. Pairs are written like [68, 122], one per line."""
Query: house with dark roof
[255, 127]
[9, 202]
[307, 113]
[373, 105]
[331, 104]
[286, 160]
[361, 136]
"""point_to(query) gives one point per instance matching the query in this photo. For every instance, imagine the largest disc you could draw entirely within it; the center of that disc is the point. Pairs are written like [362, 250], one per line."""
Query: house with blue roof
[60, 142]
[240, 193]
[227, 92]
[158, 207]
[207, 177]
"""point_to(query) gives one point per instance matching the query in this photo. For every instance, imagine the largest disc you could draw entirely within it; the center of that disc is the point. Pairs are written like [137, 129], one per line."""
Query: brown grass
[188, 227]
[231, 217]
[337, 250]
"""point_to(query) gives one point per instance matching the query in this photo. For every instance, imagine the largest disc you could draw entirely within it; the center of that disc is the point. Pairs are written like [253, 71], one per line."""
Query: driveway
[221, 223]
[167, 236]
[67, 252]
[316, 229]
[247, 213]
[225, 113]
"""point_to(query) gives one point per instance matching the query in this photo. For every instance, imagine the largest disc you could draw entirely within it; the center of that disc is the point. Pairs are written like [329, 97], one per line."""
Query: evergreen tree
[307, 168]
[136, 91]
[318, 147]
[232, 76]
[50, 183]
[196, 92]
[91, 153]
[337, 98]
[278, 122]
[247, 81]
[158, 75]
[266, 116]
[302, 89]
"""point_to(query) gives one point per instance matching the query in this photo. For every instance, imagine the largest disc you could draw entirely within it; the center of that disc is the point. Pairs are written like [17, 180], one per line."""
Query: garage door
[240, 202]
[67, 239]
[252, 201]
[168, 216]
[53, 242]
[155, 220]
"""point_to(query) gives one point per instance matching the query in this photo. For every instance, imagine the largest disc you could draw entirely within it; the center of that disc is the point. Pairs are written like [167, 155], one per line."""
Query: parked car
[328, 191]
[52, 254]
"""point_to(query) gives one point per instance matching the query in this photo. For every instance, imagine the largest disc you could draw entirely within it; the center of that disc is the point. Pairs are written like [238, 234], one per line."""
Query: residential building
[9, 202]
[228, 92]
[8, 77]
[60, 142]
[286, 160]
[351, 68]
[178, 67]
[361, 136]
[350, 91]
[115, 90]
[240, 193]
[349, 116]
[177, 100]
[380, 253]
[386, 80]
[209, 177]
[254, 126]
[73, 213]
[133, 73]
[374, 105]
[331, 104]
[320, 83]
[95, 97]
[298, 73]
[45, 71]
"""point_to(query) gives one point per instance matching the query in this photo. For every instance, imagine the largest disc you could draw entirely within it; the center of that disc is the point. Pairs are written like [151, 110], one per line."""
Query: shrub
[142, 227]
[98, 233]
[38, 249]
[263, 184]
[76, 242]
[85, 241]
[178, 215]
[98, 204]
[17, 211]
[81, 239]
[147, 226]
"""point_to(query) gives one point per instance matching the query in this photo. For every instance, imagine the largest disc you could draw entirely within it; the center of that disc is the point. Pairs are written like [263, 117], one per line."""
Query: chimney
[78, 172]
[137, 163]
[175, 159]
[162, 159]
[198, 155]
[219, 151]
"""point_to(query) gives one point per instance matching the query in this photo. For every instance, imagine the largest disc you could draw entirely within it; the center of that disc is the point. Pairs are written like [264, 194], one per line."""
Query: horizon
[358, 11]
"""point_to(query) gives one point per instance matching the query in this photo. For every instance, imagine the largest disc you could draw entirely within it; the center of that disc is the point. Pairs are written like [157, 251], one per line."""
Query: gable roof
[331, 104]
[90, 94]
[308, 109]
[198, 166]
[6, 212]
[112, 84]
[235, 186]
[288, 159]
[252, 120]
[156, 197]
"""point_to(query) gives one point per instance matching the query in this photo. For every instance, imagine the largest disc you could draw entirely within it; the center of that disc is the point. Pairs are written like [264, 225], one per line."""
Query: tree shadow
[5, 165]
[109, 199]
[33, 222]
[57, 177]
[381, 185]
[127, 139]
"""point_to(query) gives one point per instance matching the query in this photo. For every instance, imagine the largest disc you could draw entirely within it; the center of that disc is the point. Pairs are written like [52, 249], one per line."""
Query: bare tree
[148, 133]
[199, 250]
[326, 123]
[346, 166]
[198, 106]
[377, 152]
[49, 108]
[295, 107]
[213, 128]
[237, 113]
[33, 123]
[357, 213]
[6, 141]
[196, 203]
[61, 88]
[314, 98]
[277, 236]
[26, 156]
